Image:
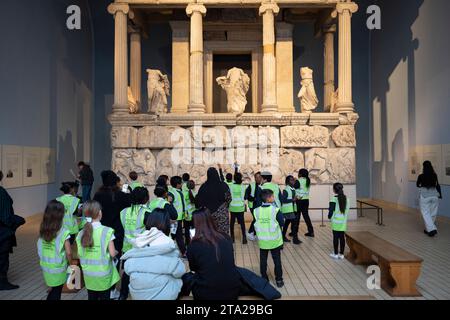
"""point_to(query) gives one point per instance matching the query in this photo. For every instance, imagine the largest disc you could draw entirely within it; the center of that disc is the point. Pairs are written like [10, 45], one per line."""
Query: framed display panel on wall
[31, 166]
[445, 171]
[48, 165]
[12, 166]
[414, 163]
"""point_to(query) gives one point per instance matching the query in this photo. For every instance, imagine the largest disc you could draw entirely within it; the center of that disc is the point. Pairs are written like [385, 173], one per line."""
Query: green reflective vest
[99, 272]
[267, 228]
[70, 205]
[237, 203]
[290, 206]
[158, 203]
[190, 208]
[339, 219]
[53, 260]
[303, 191]
[276, 191]
[135, 185]
[252, 193]
[177, 202]
[133, 223]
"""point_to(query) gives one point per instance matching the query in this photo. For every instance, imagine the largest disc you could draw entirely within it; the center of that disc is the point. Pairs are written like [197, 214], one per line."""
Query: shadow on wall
[390, 46]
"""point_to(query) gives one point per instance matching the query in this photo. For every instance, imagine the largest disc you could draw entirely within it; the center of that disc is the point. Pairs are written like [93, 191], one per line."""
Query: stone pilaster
[344, 11]
[285, 67]
[196, 95]
[180, 66]
[120, 12]
[136, 66]
[268, 12]
[329, 85]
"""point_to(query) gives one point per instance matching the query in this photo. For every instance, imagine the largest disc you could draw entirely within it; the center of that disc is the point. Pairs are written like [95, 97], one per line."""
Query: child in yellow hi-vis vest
[268, 225]
[338, 213]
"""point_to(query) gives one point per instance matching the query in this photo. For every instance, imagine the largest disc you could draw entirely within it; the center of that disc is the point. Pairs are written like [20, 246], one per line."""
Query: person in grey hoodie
[154, 264]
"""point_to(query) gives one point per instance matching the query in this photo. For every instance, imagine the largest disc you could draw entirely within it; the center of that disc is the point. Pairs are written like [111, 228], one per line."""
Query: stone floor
[308, 269]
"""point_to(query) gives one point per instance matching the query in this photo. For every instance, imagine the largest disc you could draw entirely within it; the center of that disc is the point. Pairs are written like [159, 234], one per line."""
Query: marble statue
[158, 90]
[334, 101]
[307, 94]
[132, 103]
[236, 84]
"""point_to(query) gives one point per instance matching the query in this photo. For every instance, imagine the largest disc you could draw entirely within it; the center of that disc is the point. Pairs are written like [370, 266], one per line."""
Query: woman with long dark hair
[430, 193]
[211, 259]
[215, 196]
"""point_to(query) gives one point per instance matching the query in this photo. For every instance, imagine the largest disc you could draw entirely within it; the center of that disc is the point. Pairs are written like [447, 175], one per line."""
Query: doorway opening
[221, 64]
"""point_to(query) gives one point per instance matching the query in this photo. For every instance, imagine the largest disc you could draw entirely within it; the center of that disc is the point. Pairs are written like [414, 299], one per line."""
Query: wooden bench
[399, 268]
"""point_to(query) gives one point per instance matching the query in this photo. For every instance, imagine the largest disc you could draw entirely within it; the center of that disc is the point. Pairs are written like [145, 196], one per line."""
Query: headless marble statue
[307, 94]
[236, 84]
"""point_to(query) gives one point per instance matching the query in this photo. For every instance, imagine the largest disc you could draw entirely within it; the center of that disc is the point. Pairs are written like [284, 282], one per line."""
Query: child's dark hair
[266, 176]
[288, 178]
[186, 177]
[133, 175]
[342, 199]
[175, 181]
[66, 187]
[160, 220]
[52, 221]
[303, 173]
[191, 184]
[229, 177]
[91, 209]
[160, 191]
[139, 196]
[238, 178]
[266, 194]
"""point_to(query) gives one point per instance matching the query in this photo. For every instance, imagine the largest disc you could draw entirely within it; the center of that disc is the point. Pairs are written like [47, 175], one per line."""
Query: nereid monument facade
[322, 138]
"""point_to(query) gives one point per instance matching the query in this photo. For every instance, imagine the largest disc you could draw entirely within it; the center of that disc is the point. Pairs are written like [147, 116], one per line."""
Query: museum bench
[399, 268]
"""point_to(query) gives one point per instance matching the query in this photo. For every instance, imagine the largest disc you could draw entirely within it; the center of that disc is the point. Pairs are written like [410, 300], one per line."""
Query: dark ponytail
[303, 173]
[91, 209]
[342, 199]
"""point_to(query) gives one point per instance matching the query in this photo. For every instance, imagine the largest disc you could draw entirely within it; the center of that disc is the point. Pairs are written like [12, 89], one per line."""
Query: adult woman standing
[430, 193]
[211, 258]
[215, 196]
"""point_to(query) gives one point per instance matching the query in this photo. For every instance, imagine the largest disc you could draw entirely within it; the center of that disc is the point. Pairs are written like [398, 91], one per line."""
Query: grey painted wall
[46, 88]
[410, 93]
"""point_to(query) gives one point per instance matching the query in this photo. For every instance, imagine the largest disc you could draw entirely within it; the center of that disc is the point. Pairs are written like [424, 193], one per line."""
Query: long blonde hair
[91, 209]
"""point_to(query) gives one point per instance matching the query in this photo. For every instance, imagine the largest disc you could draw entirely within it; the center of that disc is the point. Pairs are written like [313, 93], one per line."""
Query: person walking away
[97, 251]
[86, 177]
[133, 222]
[237, 206]
[177, 200]
[71, 204]
[253, 197]
[9, 222]
[289, 207]
[430, 193]
[154, 263]
[338, 213]
[269, 222]
[267, 184]
[134, 181]
[160, 202]
[303, 188]
[54, 249]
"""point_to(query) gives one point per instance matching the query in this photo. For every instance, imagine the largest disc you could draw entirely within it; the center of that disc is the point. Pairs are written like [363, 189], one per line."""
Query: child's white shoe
[250, 236]
[341, 256]
[334, 256]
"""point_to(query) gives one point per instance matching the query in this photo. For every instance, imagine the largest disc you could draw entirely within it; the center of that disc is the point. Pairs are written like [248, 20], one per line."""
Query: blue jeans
[86, 192]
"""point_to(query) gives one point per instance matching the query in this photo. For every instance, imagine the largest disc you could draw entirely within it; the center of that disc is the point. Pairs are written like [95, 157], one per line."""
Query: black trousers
[99, 295]
[5, 249]
[188, 225]
[178, 237]
[252, 226]
[294, 223]
[124, 289]
[276, 256]
[339, 241]
[239, 216]
[55, 293]
[302, 210]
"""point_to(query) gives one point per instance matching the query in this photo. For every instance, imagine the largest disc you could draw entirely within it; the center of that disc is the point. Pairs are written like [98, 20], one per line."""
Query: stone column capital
[113, 8]
[351, 7]
[195, 7]
[269, 7]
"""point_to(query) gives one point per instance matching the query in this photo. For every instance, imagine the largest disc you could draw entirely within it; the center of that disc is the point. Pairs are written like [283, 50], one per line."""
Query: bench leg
[358, 254]
[399, 279]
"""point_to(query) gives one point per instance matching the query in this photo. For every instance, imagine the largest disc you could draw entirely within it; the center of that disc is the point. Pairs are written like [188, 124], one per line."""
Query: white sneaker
[251, 236]
[115, 294]
[341, 256]
[334, 256]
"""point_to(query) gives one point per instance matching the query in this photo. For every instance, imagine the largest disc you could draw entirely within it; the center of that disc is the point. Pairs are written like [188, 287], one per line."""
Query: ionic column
[268, 12]
[345, 100]
[285, 67]
[120, 12]
[196, 96]
[329, 87]
[136, 65]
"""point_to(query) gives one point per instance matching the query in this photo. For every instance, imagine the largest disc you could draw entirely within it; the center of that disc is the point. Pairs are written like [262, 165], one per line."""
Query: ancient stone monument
[185, 134]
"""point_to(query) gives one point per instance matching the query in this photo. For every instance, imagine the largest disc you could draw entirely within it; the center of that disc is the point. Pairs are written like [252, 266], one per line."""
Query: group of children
[66, 221]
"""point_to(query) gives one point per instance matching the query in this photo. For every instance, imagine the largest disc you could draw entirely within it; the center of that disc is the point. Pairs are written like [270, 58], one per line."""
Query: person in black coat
[86, 177]
[113, 201]
[211, 259]
[9, 223]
